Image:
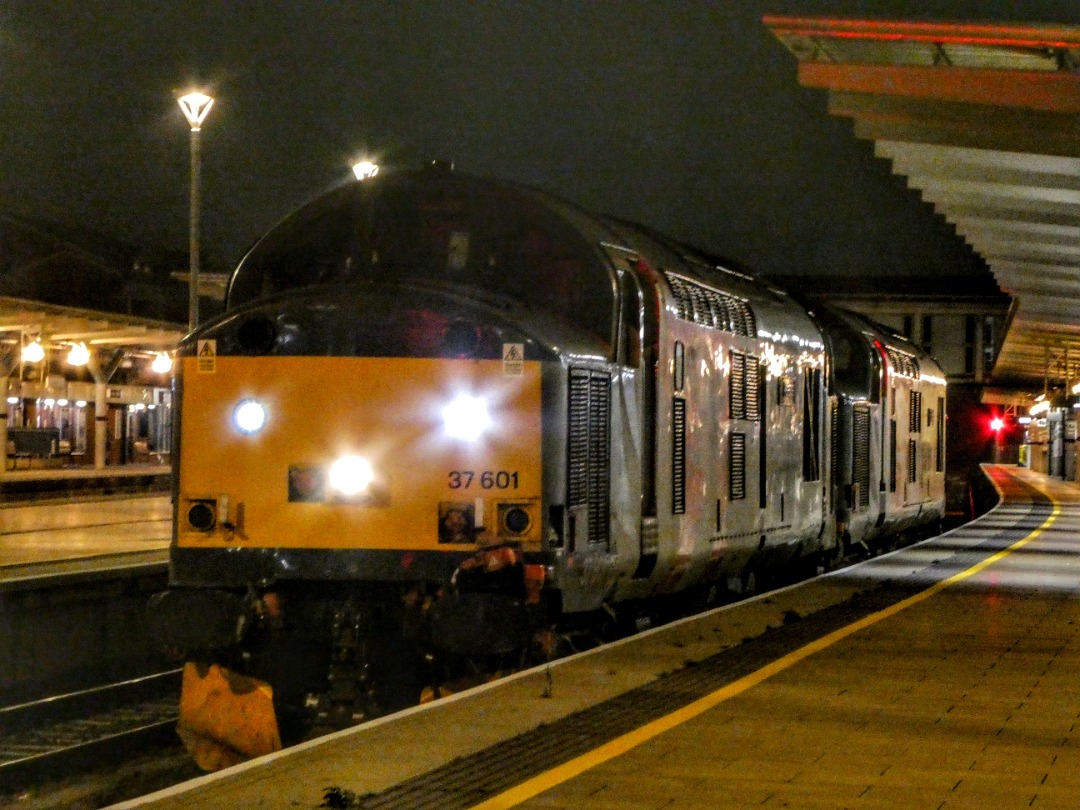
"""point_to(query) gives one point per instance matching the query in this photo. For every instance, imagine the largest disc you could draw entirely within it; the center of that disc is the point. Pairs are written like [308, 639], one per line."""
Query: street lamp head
[196, 106]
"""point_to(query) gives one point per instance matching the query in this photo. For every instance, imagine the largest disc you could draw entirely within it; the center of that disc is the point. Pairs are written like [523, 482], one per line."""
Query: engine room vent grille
[678, 457]
[737, 468]
[860, 462]
[588, 462]
[892, 455]
[915, 412]
[744, 401]
[707, 306]
[903, 364]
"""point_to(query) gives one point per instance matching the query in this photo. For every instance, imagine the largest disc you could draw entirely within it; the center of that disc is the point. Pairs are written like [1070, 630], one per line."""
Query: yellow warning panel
[445, 454]
[206, 356]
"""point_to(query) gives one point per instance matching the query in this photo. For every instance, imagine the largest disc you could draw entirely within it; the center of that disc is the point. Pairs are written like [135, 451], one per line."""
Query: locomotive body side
[735, 374]
[890, 451]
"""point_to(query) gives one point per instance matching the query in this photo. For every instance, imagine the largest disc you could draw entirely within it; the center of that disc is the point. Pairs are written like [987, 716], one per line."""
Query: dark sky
[684, 115]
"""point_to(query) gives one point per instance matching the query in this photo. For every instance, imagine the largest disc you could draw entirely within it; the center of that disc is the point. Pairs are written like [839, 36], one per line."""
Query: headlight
[350, 475]
[249, 416]
[466, 417]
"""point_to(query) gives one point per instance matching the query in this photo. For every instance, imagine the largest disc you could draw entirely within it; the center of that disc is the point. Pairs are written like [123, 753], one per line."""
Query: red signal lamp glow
[996, 424]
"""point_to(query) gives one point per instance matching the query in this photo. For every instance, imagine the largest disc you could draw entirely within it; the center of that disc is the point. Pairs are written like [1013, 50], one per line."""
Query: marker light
[351, 475]
[466, 417]
[249, 416]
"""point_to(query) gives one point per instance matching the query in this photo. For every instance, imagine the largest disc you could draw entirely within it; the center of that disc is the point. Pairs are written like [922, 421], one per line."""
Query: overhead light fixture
[365, 169]
[33, 352]
[162, 363]
[79, 354]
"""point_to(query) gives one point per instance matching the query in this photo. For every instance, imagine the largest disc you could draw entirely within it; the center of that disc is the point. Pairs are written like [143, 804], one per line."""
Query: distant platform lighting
[79, 355]
[365, 169]
[162, 363]
[33, 352]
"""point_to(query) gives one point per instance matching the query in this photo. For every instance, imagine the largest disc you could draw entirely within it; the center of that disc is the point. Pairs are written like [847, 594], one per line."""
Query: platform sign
[513, 356]
[206, 356]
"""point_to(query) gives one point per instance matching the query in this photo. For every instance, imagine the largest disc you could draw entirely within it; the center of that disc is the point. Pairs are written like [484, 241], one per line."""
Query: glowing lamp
[350, 475]
[996, 424]
[249, 417]
[196, 107]
[33, 352]
[162, 363]
[365, 169]
[79, 355]
[466, 417]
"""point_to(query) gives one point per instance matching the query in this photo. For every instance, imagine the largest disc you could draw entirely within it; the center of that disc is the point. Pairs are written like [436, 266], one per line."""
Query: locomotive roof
[523, 244]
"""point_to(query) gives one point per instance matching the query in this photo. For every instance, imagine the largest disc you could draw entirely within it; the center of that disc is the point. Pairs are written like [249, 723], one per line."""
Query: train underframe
[273, 667]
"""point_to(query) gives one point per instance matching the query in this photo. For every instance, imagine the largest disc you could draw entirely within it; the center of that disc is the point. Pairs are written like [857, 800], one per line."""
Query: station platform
[52, 483]
[943, 675]
[53, 538]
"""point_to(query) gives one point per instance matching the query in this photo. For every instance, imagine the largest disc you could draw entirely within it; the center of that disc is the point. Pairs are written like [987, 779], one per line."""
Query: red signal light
[996, 424]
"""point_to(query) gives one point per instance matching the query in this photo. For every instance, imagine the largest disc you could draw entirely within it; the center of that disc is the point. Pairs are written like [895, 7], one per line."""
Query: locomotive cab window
[443, 228]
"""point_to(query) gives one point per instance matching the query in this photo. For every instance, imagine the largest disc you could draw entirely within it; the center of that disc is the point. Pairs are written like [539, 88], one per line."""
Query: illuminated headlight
[249, 416]
[466, 417]
[350, 475]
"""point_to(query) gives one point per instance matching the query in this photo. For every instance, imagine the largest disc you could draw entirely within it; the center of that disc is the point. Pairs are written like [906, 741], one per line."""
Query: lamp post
[196, 106]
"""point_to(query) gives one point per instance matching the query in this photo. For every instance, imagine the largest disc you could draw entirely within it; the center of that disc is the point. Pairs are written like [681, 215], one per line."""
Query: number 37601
[486, 479]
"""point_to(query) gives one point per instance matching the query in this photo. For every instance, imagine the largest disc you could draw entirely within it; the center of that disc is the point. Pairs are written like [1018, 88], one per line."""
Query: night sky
[686, 116]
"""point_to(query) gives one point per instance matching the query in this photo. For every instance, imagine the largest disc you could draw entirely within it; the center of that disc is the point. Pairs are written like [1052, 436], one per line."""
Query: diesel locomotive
[444, 418]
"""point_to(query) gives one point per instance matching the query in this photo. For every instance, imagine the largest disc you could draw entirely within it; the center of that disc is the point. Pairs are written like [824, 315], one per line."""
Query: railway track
[56, 737]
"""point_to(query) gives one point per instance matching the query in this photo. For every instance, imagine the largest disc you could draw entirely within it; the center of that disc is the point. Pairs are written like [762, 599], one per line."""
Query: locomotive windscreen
[437, 226]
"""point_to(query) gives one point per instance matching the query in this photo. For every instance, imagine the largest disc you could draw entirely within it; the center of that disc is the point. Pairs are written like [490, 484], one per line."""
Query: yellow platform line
[620, 745]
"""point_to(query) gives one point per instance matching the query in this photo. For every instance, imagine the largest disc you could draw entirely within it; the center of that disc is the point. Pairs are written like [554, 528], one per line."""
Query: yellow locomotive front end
[372, 456]
[410, 456]
[375, 477]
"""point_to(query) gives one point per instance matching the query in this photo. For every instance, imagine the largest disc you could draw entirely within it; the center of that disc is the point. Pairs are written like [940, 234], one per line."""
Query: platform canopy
[983, 120]
[59, 327]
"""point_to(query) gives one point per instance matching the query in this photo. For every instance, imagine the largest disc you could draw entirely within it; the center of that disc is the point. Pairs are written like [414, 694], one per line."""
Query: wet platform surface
[943, 675]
